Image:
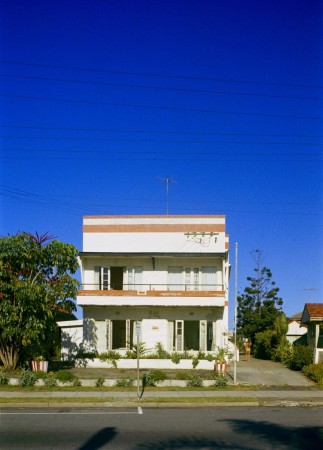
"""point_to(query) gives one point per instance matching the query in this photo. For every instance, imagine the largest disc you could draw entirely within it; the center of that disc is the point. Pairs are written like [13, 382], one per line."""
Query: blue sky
[101, 100]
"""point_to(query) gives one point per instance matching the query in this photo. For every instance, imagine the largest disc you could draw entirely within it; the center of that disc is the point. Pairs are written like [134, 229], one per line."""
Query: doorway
[116, 278]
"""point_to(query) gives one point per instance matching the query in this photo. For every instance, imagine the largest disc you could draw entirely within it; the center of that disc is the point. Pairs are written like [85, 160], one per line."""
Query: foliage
[27, 378]
[302, 356]
[265, 343]
[77, 382]
[283, 352]
[4, 379]
[222, 354]
[111, 356]
[140, 347]
[314, 372]
[65, 376]
[195, 361]
[175, 357]
[152, 377]
[221, 381]
[194, 380]
[125, 382]
[99, 382]
[161, 352]
[35, 285]
[259, 306]
[50, 380]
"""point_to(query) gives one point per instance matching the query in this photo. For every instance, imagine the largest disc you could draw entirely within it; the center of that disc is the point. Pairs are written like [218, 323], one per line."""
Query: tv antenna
[167, 181]
[311, 290]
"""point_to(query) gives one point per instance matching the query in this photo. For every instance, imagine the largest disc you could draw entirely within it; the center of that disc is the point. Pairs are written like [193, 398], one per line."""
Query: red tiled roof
[314, 310]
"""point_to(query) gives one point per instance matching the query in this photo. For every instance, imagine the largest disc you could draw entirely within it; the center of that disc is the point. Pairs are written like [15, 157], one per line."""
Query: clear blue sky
[100, 99]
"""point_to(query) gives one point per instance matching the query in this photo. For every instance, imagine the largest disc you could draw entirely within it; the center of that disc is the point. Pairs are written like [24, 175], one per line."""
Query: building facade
[161, 279]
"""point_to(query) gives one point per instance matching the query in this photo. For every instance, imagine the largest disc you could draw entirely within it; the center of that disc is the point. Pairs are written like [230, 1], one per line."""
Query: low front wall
[145, 364]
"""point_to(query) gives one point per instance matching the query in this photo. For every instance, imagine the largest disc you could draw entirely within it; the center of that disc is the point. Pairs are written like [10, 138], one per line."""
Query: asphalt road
[165, 428]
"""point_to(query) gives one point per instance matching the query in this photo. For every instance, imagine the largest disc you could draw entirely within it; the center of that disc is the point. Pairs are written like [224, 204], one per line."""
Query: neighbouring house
[313, 317]
[296, 333]
[71, 338]
[163, 279]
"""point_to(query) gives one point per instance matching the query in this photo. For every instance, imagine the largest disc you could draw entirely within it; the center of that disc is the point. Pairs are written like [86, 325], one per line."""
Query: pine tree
[259, 305]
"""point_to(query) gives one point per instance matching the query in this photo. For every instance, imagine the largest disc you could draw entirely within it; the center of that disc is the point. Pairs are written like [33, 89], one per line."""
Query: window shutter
[179, 335]
[175, 278]
[203, 335]
[130, 278]
[209, 278]
[138, 278]
[108, 334]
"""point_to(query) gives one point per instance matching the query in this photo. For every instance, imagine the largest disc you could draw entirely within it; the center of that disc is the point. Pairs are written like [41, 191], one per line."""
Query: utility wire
[156, 87]
[113, 130]
[160, 107]
[159, 75]
[72, 138]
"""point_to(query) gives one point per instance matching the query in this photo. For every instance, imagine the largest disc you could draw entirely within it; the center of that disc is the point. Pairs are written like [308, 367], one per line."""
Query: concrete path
[268, 373]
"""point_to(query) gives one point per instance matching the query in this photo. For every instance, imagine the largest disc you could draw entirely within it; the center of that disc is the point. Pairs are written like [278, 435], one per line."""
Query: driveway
[269, 373]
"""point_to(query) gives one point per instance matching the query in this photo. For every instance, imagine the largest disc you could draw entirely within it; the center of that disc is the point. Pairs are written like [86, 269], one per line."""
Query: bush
[302, 356]
[161, 353]
[99, 382]
[195, 361]
[283, 352]
[314, 372]
[27, 378]
[221, 381]
[111, 356]
[152, 377]
[4, 379]
[125, 382]
[175, 357]
[50, 380]
[194, 381]
[265, 343]
[65, 376]
[77, 382]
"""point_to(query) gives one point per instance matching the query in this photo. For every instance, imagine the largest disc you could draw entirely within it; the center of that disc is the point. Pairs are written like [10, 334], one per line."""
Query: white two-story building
[164, 278]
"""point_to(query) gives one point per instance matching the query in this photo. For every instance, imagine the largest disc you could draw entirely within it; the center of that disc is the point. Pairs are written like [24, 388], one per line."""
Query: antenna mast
[167, 181]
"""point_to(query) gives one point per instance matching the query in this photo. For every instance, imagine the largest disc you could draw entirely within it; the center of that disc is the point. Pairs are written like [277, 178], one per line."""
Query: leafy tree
[259, 306]
[35, 283]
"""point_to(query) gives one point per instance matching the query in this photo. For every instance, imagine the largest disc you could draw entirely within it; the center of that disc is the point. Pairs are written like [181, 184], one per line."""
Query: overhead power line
[75, 138]
[156, 87]
[160, 107]
[124, 130]
[158, 75]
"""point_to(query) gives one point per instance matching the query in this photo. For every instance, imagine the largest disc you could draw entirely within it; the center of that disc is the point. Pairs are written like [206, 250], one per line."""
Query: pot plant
[39, 364]
[222, 356]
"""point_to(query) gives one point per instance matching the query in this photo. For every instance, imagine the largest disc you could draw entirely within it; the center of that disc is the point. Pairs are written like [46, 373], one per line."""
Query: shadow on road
[100, 439]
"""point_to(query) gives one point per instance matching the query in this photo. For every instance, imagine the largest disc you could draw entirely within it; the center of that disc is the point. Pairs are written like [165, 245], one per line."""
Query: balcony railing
[153, 287]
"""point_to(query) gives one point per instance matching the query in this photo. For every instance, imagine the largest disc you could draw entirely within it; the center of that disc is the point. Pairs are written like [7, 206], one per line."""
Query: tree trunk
[9, 357]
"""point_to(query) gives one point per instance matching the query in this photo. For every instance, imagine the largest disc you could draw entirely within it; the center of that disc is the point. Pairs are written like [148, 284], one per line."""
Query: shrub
[77, 382]
[4, 379]
[195, 361]
[111, 356]
[27, 378]
[50, 380]
[194, 381]
[265, 343]
[152, 377]
[99, 382]
[210, 357]
[125, 382]
[175, 357]
[161, 352]
[302, 356]
[314, 372]
[65, 376]
[221, 381]
[283, 352]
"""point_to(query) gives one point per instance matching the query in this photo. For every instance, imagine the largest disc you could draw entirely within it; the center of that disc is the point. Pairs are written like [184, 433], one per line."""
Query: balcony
[153, 295]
